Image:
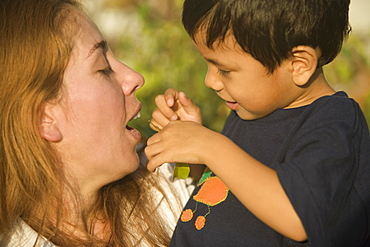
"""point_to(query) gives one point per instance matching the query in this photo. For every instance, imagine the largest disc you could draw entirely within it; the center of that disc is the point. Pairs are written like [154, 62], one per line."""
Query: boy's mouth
[232, 105]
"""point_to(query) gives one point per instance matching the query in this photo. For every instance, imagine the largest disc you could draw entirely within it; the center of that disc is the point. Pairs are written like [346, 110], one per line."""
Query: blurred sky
[111, 21]
[360, 15]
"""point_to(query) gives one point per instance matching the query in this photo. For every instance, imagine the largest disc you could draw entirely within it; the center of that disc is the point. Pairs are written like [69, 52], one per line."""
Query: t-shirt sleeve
[318, 174]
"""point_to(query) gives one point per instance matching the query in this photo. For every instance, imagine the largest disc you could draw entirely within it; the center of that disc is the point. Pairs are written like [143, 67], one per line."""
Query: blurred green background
[147, 35]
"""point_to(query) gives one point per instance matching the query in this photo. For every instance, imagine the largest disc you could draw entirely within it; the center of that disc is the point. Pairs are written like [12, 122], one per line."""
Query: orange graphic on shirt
[212, 192]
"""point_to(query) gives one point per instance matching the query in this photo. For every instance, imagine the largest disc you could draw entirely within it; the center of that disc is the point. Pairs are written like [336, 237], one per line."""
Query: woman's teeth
[137, 116]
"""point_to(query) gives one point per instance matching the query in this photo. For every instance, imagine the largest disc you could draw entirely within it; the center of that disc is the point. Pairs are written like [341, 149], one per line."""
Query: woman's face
[98, 100]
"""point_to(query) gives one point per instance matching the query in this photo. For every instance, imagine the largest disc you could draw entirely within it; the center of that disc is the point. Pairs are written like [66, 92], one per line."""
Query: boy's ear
[304, 64]
[48, 127]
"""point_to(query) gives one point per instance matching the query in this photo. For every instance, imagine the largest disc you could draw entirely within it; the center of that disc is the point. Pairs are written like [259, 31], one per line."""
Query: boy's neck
[315, 88]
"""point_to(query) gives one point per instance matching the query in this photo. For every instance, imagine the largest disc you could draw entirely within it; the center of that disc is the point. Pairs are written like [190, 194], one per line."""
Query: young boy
[291, 167]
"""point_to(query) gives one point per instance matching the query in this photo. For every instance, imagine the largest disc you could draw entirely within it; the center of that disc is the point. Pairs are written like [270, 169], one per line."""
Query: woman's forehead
[86, 34]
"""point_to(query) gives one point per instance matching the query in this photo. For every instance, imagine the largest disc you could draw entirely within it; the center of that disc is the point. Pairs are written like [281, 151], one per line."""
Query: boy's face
[244, 83]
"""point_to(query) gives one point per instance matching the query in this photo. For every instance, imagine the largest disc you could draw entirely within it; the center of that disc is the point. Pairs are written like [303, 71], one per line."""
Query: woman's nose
[131, 80]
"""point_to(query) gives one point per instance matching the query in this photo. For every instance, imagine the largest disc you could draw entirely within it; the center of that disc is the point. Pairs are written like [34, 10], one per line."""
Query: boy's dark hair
[269, 29]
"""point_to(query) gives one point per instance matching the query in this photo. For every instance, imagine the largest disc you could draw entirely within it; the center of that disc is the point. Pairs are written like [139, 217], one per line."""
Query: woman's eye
[223, 72]
[107, 71]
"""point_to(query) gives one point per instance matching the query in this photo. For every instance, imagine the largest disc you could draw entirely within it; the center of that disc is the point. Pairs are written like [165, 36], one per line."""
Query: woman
[67, 153]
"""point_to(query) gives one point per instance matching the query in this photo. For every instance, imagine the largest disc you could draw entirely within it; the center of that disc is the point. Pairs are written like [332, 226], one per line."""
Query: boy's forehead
[227, 43]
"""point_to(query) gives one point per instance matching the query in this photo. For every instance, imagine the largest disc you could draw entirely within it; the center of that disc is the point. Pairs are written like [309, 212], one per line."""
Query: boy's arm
[257, 186]
[254, 184]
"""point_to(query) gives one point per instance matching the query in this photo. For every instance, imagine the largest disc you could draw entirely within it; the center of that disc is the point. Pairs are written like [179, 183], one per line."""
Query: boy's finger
[185, 100]
[154, 125]
[159, 119]
[171, 95]
[163, 108]
[189, 107]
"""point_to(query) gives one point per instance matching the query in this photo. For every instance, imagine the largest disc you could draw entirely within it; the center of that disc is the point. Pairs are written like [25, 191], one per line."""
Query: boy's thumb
[185, 100]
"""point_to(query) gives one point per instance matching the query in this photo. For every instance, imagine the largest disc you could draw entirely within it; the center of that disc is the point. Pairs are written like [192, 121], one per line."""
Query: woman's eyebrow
[101, 45]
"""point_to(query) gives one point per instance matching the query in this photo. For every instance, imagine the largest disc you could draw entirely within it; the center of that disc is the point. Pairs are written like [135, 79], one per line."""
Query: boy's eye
[223, 72]
[107, 71]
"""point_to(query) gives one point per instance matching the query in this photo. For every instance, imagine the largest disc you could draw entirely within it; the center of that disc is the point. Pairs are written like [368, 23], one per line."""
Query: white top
[25, 236]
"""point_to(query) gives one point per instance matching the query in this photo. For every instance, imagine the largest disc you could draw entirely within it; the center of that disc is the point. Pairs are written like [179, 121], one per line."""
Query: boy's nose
[212, 81]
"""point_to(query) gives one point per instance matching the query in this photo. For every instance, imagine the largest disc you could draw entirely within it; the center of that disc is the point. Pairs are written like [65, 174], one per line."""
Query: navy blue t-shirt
[321, 154]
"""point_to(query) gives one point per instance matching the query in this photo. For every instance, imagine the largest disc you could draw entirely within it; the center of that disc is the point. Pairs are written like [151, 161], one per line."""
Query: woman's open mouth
[134, 131]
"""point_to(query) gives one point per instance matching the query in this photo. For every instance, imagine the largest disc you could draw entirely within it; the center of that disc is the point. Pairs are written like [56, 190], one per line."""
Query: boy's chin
[246, 115]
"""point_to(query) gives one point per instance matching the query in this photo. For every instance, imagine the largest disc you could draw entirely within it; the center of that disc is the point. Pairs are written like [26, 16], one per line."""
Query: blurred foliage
[155, 44]
[350, 71]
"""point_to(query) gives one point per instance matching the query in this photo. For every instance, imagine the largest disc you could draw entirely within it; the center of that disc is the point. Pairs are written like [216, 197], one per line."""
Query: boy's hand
[174, 105]
[181, 142]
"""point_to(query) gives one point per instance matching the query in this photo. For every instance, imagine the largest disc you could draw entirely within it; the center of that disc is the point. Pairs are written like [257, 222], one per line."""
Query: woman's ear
[49, 128]
[304, 64]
